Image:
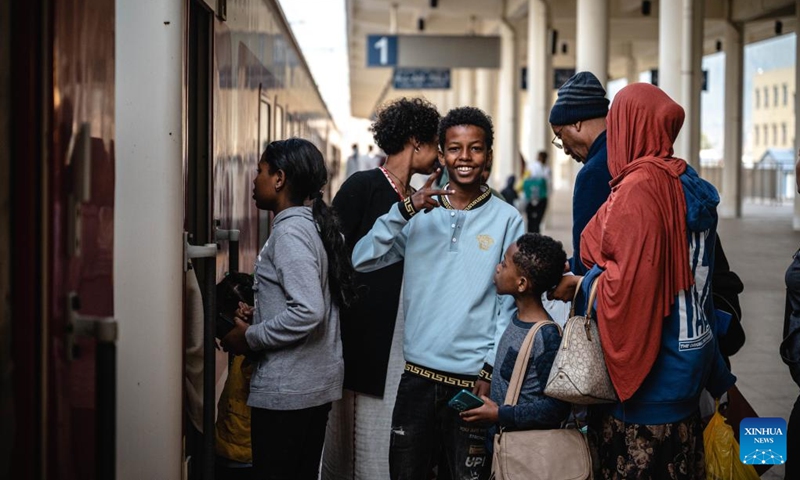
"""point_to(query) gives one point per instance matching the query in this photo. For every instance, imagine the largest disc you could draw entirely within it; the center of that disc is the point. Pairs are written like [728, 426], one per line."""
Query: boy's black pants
[426, 430]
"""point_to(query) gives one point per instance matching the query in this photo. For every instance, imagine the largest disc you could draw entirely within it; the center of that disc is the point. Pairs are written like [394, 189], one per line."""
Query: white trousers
[359, 426]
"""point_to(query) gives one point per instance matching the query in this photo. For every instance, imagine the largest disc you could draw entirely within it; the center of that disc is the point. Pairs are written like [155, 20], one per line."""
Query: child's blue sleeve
[384, 244]
[542, 411]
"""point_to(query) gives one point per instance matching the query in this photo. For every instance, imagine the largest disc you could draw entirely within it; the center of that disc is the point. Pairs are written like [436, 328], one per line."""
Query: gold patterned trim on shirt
[481, 198]
[439, 376]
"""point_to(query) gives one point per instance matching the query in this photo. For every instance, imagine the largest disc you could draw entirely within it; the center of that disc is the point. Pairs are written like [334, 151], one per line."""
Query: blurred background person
[535, 188]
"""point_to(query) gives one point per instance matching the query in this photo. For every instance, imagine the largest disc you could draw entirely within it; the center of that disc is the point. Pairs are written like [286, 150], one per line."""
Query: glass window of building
[758, 100]
[783, 133]
[766, 97]
[757, 135]
[785, 94]
[774, 95]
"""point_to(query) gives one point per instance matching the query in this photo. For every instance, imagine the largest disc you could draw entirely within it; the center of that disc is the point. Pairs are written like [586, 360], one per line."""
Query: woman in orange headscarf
[650, 248]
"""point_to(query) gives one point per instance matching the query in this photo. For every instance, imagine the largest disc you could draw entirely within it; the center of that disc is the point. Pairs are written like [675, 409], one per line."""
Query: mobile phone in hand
[465, 400]
[225, 323]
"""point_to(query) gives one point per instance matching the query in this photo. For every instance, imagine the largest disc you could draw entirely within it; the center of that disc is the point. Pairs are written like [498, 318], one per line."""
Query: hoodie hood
[701, 201]
[301, 211]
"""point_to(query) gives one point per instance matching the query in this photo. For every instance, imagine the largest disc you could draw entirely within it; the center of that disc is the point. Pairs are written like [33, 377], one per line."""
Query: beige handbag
[579, 373]
[561, 454]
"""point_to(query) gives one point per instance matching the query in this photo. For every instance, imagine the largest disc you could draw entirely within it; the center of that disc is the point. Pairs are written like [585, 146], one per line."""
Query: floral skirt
[632, 451]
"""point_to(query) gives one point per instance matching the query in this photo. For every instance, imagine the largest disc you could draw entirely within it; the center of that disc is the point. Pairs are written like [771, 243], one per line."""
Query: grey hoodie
[295, 323]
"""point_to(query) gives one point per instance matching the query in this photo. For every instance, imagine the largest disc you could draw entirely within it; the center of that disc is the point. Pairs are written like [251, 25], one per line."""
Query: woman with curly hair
[357, 443]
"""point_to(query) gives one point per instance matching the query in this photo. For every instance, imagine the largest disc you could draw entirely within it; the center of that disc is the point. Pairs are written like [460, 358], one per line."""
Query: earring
[416, 149]
[277, 188]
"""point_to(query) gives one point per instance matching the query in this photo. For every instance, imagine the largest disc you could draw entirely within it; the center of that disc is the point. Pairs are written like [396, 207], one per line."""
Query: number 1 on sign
[382, 45]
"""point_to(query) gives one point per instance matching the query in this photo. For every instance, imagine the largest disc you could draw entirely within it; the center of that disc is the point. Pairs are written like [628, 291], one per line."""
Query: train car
[130, 131]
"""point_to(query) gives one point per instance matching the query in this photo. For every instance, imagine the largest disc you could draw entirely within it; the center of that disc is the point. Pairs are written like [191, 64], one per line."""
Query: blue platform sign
[421, 79]
[381, 50]
[560, 75]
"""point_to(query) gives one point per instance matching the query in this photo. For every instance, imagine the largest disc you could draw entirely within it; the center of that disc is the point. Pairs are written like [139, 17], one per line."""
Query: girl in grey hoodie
[302, 276]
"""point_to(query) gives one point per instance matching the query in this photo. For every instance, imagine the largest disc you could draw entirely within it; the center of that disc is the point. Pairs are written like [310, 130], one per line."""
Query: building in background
[773, 113]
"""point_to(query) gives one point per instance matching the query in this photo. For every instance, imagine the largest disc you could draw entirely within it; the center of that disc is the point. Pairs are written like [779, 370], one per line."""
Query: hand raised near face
[423, 199]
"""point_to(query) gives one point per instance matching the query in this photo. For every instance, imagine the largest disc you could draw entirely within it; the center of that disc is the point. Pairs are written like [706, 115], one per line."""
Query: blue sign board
[560, 75]
[421, 78]
[703, 87]
[381, 50]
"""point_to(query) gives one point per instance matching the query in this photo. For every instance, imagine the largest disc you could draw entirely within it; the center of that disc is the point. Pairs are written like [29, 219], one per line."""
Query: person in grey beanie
[578, 120]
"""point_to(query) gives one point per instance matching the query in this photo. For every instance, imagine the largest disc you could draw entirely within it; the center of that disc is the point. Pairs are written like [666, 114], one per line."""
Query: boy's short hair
[234, 288]
[467, 116]
[541, 259]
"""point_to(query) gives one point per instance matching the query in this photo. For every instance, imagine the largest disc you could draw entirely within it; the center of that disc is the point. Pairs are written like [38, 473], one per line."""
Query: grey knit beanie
[580, 98]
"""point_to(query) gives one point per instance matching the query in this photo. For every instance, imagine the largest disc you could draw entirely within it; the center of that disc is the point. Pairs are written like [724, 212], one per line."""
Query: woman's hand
[235, 341]
[486, 413]
[565, 290]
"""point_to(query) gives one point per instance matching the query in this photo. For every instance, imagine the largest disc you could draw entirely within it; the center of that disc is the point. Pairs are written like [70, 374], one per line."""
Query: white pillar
[796, 216]
[506, 151]
[539, 82]
[631, 64]
[591, 50]
[466, 88]
[731, 204]
[148, 275]
[484, 90]
[688, 142]
[591, 53]
[670, 39]
[451, 95]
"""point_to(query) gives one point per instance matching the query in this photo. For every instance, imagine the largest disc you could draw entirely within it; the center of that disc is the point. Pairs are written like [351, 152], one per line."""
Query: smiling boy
[450, 240]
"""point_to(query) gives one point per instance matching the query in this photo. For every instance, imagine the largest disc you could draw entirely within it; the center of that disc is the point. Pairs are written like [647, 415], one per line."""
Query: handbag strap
[575, 297]
[592, 296]
[521, 365]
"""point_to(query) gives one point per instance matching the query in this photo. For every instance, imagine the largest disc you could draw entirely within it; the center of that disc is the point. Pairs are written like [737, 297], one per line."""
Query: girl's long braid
[340, 268]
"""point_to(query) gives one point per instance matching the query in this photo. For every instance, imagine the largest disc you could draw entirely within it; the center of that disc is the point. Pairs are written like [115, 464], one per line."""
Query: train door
[199, 347]
[23, 414]
[62, 208]
[81, 329]
[264, 138]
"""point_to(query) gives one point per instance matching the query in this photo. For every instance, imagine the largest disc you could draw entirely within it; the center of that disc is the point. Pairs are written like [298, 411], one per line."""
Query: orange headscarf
[639, 235]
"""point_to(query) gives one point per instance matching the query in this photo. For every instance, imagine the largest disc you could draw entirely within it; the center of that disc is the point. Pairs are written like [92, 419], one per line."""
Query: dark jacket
[790, 347]
[368, 325]
[591, 191]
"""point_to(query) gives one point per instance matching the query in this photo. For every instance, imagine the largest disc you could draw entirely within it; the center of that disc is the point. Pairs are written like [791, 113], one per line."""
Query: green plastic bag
[722, 452]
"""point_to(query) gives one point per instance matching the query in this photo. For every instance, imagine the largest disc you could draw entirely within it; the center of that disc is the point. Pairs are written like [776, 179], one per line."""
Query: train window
[287, 125]
[279, 122]
[264, 124]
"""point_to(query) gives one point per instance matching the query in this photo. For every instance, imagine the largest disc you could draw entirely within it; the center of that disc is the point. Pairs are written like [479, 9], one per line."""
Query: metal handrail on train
[208, 251]
[104, 331]
[232, 236]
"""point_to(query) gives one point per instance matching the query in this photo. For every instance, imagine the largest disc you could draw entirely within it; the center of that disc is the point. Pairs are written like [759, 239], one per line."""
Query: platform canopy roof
[631, 32]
